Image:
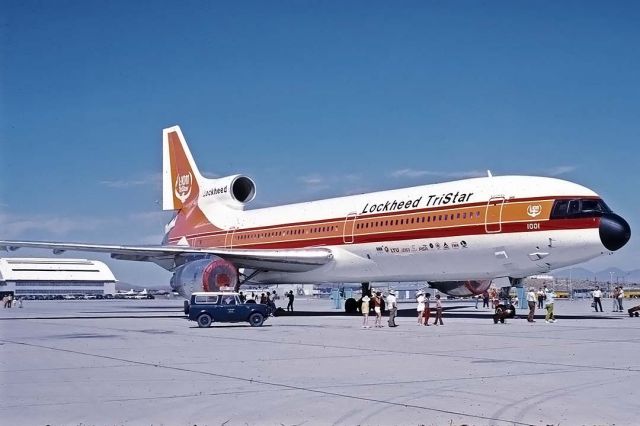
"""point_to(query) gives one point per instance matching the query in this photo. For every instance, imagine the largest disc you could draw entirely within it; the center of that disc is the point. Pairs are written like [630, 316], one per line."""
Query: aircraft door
[493, 214]
[228, 238]
[348, 228]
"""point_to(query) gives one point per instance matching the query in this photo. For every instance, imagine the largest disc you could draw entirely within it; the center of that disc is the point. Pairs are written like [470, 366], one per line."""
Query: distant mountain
[606, 275]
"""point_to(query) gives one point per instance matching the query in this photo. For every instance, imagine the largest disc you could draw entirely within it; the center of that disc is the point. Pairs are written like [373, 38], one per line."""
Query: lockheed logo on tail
[183, 186]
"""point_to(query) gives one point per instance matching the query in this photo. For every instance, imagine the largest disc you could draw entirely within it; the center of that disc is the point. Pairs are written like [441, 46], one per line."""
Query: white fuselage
[480, 228]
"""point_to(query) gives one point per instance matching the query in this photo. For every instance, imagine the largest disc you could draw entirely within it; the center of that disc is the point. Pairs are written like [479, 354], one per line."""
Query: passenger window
[229, 300]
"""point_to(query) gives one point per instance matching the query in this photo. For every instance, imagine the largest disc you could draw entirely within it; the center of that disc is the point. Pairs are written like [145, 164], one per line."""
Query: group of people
[544, 296]
[489, 296]
[9, 302]
[617, 296]
[270, 298]
[375, 302]
[424, 309]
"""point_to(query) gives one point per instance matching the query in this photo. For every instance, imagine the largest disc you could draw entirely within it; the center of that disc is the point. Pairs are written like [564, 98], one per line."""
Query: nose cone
[614, 231]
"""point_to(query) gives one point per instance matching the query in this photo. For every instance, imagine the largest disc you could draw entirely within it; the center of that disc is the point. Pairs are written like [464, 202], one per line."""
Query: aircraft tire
[204, 320]
[350, 306]
[256, 319]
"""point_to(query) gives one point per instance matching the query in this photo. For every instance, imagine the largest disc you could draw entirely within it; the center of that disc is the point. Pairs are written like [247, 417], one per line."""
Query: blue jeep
[210, 307]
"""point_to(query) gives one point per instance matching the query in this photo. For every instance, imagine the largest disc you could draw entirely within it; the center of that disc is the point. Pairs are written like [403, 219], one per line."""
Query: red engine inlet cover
[219, 273]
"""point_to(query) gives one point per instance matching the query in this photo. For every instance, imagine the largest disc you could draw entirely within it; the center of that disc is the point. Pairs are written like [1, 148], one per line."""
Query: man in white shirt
[597, 295]
[392, 305]
[620, 297]
[532, 298]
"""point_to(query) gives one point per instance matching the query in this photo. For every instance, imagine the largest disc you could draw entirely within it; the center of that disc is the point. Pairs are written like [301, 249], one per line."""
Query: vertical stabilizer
[180, 175]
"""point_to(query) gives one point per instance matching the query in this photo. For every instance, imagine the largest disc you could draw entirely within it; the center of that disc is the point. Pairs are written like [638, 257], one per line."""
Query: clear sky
[311, 99]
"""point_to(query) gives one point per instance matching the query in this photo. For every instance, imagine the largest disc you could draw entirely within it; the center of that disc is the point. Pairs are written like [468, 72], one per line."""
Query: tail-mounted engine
[234, 191]
[211, 274]
[461, 288]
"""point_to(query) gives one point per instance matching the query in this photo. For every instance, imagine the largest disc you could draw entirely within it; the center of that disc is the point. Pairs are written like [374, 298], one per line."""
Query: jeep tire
[256, 319]
[204, 320]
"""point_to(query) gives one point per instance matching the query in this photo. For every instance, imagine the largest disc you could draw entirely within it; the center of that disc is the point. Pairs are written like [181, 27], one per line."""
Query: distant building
[59, 276]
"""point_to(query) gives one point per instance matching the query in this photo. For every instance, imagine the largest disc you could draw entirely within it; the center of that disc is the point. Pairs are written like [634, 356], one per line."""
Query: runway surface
[133, 362]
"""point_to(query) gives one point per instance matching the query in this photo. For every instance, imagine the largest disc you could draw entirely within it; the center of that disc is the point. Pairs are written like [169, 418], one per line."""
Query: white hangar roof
[48, 269]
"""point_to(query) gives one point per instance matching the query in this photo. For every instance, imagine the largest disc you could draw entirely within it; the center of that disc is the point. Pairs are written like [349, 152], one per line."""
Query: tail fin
[180, 175]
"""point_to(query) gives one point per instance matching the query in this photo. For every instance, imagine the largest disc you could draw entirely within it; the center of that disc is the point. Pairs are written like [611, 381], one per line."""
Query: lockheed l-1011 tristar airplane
[457, 236]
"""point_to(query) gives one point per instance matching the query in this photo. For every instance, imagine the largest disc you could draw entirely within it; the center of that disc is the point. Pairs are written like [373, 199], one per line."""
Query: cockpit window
[574, 207]
[564, 209]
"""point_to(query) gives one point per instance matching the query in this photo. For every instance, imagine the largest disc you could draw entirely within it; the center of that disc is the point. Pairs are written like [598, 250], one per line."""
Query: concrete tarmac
[135, 362]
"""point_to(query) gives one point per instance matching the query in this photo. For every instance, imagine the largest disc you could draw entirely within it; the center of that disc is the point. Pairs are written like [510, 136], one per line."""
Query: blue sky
[312, 99]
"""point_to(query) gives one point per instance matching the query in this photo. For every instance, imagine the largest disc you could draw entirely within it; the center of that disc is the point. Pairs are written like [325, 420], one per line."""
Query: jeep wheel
[204, 320]
[256, 319]
[186, 307]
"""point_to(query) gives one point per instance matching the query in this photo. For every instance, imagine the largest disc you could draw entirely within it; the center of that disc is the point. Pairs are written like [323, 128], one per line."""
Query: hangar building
[47, 276]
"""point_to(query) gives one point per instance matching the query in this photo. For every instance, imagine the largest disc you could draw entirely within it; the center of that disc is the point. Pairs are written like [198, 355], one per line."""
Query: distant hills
[614, 274]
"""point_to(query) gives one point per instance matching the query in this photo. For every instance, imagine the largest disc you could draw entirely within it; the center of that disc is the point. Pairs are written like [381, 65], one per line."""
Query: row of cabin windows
[423, 219]
[288, 232]
[413, 220]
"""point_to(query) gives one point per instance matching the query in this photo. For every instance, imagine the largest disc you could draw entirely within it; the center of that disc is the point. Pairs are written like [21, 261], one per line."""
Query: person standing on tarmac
[364, 308]
[531, 301]
[427, 310]
[420, 308]
[549, 297]
[540, 295]
[377, 308]
[438, 311]
[620, 297]
[597, 296]
[290, 296]
[392, 304]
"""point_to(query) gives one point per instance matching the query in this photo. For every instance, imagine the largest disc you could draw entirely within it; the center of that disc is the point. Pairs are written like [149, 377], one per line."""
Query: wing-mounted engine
[461, 288]
[210, 274]
[234, 191]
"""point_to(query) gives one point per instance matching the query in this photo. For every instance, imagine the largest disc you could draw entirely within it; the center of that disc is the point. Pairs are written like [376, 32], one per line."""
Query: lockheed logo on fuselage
[216, 191]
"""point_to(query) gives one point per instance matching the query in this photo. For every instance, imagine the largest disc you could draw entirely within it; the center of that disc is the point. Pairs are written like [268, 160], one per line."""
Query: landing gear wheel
[204, 321]
[256, 319]
[351, 306]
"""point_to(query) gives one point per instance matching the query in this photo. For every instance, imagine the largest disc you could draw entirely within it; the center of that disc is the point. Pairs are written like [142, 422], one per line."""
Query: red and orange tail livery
[180, 175]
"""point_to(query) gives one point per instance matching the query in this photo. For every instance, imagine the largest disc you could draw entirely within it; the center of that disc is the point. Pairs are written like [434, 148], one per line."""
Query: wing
[291, 260]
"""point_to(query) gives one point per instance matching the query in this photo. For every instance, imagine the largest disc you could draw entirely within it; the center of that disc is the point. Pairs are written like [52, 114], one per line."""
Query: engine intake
[211, 274]
[235, 191]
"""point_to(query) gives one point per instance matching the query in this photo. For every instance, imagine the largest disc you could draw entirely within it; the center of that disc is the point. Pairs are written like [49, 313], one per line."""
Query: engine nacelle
[234, 191]
[211, 274]
[461, 288]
